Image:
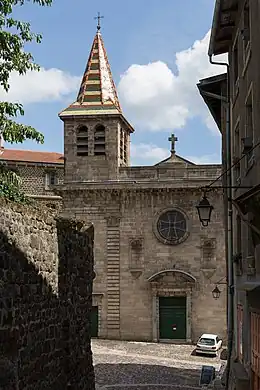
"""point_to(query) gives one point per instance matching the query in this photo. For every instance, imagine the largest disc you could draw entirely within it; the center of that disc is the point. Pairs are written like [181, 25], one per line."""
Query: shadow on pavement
[193, 353]
[129, 374]
[223, 354]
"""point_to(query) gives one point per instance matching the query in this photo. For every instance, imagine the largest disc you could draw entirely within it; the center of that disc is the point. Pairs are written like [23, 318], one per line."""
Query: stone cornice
[131, 187]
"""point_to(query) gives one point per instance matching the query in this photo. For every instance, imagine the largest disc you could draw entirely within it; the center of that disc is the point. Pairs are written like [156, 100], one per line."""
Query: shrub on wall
[10, 183]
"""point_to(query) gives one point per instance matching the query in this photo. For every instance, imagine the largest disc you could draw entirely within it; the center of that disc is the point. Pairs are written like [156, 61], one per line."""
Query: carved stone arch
[171, 283]
[82, 128]
[176, 273]
[99, 127]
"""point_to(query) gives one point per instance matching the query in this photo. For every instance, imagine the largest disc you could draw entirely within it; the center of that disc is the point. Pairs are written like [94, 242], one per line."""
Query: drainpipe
[229, 216]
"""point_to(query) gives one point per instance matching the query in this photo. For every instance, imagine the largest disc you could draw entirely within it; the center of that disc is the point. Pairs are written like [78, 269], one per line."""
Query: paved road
[147, 366]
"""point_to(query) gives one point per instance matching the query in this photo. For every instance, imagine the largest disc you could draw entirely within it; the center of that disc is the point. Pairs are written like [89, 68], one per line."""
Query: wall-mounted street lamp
[204, 210]
[216, 292]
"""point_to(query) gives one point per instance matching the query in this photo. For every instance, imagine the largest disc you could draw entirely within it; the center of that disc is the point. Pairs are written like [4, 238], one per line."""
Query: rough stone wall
[34, 176]
[121, 288]
[45, 300]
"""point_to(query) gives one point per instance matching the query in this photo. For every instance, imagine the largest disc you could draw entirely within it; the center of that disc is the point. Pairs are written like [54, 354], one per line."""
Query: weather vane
[98, 19]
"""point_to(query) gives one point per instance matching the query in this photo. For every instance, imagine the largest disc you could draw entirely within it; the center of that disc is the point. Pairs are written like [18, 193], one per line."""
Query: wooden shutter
[255, 349]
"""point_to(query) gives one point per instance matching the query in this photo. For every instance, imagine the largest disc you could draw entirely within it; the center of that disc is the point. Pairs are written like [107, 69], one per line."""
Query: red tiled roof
[31, 156]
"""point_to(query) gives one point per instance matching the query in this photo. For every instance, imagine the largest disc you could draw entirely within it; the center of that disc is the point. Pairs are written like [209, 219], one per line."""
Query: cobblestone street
[133, 366]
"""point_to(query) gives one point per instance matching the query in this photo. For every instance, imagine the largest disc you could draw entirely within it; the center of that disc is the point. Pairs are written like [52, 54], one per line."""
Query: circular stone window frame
[163, 240]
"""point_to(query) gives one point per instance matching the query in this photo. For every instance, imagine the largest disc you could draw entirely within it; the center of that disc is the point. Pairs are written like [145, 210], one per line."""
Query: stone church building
[155, 265]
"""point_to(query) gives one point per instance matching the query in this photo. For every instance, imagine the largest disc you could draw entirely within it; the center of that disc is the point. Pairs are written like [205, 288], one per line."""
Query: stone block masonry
[46, 274]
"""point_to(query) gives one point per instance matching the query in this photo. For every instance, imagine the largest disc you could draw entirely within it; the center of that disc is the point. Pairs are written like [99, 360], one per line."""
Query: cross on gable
[98, 19]
[173, 139]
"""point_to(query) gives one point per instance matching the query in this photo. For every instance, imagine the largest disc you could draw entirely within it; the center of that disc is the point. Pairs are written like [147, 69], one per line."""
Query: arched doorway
[171, 294]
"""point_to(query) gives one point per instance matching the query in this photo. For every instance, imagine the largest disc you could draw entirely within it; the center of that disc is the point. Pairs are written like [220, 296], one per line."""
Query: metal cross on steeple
[98, 19]
[173, 139]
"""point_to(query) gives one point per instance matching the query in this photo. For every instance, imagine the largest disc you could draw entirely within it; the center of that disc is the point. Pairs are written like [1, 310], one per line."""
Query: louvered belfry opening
[123, 146]
[100, 141]
[82, 141]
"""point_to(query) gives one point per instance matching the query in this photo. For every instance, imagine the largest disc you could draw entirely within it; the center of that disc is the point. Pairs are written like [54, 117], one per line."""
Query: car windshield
[207, 341]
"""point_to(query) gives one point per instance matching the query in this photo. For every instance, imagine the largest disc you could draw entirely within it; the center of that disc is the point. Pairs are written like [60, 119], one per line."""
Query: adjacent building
[155, 265]
[40, 172]
[236, 31]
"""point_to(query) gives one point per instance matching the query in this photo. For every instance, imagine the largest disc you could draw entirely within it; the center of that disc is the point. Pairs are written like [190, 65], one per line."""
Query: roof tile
[31, 156]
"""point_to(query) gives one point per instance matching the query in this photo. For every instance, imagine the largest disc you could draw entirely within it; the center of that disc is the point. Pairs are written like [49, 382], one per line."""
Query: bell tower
[96, 134]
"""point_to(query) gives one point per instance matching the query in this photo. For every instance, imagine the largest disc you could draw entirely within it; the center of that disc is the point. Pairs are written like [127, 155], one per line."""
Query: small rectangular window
[238, 234]
[249, 131]
[250, 242]
[246, 33]
[237, 152]
[50, 179]
[235, 63]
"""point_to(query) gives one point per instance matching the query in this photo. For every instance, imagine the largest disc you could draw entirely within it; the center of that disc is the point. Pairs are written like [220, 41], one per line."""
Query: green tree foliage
[10, 185]
[14, 34]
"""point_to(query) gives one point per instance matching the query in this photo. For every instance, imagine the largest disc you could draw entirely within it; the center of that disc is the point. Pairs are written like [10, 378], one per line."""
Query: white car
[208, 344]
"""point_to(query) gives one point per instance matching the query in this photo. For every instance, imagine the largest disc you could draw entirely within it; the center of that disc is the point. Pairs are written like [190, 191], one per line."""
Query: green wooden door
[172, 318]
[94, 321]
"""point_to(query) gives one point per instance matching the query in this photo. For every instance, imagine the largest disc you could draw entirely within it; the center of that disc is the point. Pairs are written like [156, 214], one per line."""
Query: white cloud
[150, 154]
[157, 98]
[45, 85]
[208, 159]
[147, 154]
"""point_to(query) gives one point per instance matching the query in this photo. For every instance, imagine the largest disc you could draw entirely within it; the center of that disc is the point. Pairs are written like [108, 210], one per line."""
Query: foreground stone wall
[45, 300]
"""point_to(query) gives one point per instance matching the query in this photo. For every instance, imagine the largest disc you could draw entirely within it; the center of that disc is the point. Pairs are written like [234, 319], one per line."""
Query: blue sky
[145, 33]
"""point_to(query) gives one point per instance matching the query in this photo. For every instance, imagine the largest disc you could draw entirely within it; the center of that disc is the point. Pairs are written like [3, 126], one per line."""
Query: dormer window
[82, 141]
[100, 141]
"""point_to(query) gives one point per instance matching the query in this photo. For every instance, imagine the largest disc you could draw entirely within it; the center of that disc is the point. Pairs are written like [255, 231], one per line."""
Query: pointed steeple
[97, 93]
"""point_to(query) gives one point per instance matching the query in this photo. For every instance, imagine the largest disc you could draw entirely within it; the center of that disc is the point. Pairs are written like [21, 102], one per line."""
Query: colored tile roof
[31, 156]
[97, 94]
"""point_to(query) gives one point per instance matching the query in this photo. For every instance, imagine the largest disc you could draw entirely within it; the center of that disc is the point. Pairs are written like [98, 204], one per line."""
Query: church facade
[155, 265]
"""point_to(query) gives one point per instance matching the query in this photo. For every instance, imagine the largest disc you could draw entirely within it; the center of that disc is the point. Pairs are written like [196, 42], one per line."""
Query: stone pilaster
[113, 277]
